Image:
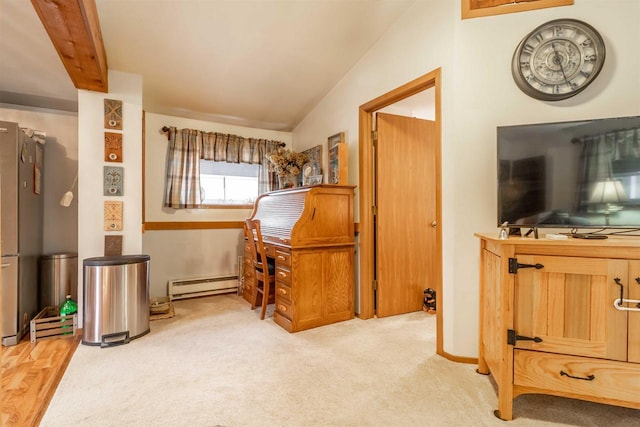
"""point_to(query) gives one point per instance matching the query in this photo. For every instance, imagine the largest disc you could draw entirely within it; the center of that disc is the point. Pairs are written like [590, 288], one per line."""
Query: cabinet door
[569, 305]
[322, 286]
[634, 316]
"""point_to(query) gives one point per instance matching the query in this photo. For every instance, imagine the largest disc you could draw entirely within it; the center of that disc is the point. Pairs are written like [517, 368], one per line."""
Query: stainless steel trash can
[116, 299]
[58, 278]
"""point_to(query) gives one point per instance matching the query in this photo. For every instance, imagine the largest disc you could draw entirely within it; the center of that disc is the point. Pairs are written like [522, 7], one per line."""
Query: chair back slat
[264, 278]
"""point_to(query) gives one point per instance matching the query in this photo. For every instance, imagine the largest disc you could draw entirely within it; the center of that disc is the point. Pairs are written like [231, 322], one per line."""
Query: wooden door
[569, 305]
[406, 210]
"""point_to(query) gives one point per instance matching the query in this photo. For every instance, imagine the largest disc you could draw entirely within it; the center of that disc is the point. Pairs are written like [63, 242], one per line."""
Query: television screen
[580, 174]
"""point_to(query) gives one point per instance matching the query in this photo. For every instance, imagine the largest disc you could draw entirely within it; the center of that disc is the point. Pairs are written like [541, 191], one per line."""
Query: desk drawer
[270, 250]
[283, 258]
[577, 375]
[283, 275]
[284, 307]
[283, 291]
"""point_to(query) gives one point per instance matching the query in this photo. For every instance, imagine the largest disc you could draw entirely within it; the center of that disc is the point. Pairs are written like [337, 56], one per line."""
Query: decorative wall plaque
[112, 147]
[113, 180]
[112, 114]
[112, 245]
[113, 216]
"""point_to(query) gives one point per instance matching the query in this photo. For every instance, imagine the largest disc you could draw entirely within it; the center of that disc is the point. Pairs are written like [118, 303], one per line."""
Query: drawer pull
[589, 378]
[282, 291]
[282, 274]
[282, 308]
[280, 258]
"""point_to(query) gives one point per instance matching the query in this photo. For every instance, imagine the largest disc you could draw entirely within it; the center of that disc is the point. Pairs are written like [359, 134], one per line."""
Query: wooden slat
[555, 321]
[577, 306]
[74, 30]
[634, 316]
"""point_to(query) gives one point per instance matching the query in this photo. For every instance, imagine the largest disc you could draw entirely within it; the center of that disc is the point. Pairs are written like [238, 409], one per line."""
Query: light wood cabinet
[548, 323]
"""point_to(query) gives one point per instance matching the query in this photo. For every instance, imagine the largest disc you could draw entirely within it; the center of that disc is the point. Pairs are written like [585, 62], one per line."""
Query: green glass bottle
[68, 308]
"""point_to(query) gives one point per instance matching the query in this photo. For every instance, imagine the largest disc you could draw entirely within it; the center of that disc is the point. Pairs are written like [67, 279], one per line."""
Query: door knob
[434, 224]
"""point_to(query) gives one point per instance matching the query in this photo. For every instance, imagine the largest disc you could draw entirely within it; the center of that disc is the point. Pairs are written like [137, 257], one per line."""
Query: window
[225, 183]
[477, 8]
[631, 183]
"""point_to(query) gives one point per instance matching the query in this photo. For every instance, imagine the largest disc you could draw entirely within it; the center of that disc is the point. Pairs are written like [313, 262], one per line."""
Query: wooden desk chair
[264, 270]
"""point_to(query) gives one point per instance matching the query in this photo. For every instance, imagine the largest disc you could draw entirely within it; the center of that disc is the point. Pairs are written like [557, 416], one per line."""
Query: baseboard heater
[202, 286]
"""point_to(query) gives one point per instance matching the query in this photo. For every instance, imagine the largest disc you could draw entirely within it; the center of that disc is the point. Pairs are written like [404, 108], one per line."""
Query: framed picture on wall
[335, 140]
[337, 159]
[315, 180]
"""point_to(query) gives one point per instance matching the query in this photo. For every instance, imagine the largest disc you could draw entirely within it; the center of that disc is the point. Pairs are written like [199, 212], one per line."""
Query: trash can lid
[60, 255]
[116, 260]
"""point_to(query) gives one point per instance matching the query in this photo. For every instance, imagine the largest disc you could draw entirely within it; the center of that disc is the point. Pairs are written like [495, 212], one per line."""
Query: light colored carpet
[216, 364]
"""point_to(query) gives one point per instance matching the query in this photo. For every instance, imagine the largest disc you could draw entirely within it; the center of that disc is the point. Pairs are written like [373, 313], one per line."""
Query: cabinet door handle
[587, 378]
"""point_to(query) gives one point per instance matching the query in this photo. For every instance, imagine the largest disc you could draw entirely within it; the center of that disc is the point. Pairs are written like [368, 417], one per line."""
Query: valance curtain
[599, 153]
[188, 146]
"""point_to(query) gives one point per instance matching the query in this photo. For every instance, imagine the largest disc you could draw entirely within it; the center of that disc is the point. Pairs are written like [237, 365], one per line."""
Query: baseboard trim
[459, 359]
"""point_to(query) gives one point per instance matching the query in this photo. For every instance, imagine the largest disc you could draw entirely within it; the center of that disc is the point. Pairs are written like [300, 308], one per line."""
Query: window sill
[221, 206]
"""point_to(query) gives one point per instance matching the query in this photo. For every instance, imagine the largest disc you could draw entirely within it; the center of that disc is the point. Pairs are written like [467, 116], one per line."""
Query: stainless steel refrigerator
[21, 207]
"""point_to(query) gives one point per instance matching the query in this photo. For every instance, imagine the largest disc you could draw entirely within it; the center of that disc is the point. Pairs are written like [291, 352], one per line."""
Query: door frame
[367, 188]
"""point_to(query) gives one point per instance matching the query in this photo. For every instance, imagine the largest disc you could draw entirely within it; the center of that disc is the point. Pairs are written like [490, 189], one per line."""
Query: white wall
[179, 254]
[127, 88]
[478, 94]
[60, 166]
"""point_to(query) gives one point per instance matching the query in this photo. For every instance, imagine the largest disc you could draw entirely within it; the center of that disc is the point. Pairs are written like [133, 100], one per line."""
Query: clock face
[558, 59]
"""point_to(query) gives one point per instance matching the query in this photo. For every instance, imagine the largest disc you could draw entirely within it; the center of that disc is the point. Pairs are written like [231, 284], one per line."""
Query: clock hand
[558, 60]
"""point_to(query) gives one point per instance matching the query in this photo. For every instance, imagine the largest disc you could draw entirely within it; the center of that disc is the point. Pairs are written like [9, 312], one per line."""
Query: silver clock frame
[523, 66]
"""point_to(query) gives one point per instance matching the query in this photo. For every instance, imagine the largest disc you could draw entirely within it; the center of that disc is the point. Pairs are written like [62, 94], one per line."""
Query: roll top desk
[309, 231]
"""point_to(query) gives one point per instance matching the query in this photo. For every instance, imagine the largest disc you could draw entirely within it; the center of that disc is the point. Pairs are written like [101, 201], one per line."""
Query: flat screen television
[579, 174]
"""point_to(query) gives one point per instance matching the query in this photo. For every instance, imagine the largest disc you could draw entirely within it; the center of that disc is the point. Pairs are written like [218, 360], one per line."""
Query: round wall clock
[558, 60]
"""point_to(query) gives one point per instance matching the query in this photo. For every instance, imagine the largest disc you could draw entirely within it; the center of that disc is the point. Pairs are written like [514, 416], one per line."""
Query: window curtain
[188, 146]
[599, 155]
[183, 169]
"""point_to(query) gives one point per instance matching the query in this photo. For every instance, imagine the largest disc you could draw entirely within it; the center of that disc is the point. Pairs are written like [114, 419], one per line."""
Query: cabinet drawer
[270, 250]
[577, 375]
[283, 258]
[283, 291]
[283, 275]
[284, 307]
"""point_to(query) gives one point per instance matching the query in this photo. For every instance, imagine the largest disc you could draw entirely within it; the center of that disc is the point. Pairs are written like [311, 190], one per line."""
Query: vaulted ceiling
[256, 63]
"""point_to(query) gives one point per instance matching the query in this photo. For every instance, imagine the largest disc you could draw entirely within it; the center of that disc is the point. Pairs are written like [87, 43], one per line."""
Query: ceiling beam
[74, 29]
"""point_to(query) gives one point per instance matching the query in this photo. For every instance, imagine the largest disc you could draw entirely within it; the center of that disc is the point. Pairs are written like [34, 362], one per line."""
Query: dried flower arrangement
[286, 162]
